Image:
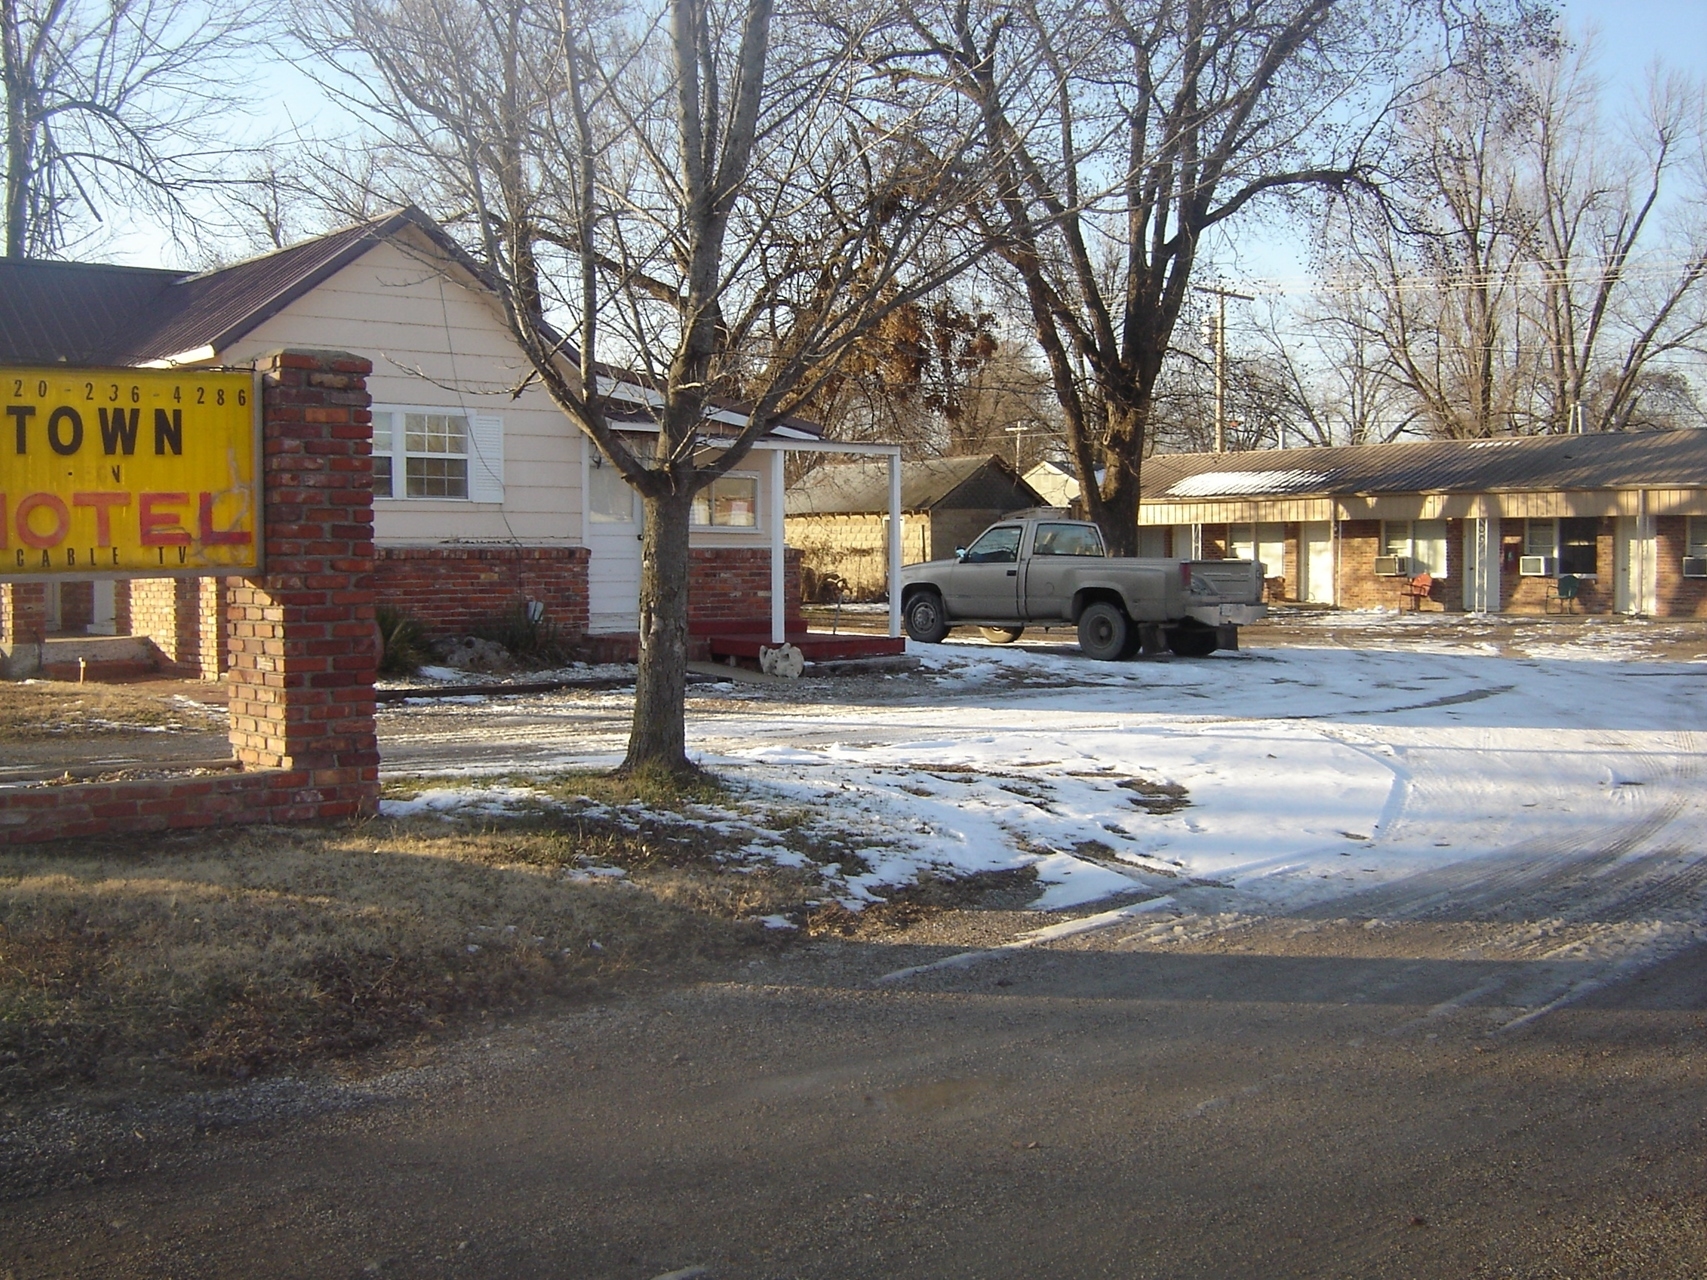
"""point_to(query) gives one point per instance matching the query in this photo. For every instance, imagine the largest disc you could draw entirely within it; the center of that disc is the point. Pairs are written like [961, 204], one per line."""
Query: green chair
[1564, 592]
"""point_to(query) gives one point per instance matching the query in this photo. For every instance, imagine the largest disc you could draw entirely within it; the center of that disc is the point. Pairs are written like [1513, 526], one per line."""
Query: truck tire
[924, 618]
[1105, 632]
[1001, 635]
[1193, 641]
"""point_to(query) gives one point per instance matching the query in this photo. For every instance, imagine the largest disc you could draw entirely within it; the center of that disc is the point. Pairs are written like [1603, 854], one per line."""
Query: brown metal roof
[852, 488]
[1659, 459]
[76, 313]
[72, 312]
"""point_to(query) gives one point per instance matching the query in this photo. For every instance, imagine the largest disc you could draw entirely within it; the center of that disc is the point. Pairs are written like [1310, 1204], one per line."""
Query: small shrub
[403, 642]
[529, 635]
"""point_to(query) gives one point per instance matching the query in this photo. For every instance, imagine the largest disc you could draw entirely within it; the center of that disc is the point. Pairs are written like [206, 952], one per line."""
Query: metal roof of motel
[1658, 459]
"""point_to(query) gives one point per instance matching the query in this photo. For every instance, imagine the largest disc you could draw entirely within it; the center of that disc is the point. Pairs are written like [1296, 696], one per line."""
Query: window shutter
[485, 458]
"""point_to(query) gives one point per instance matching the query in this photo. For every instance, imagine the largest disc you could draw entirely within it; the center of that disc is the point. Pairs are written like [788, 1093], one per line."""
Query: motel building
[1592, 524]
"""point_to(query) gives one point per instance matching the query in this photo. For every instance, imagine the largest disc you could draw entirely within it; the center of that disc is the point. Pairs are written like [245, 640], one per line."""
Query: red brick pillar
[23, 612]
[302, 635]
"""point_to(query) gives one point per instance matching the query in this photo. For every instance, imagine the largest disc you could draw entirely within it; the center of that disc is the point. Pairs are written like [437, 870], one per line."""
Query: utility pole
[1219, 323]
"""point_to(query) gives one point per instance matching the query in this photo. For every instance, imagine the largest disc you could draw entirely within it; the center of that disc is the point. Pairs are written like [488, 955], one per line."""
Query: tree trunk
[658, 740]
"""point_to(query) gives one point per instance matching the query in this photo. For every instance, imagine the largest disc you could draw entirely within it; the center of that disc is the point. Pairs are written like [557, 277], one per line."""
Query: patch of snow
[453, 800]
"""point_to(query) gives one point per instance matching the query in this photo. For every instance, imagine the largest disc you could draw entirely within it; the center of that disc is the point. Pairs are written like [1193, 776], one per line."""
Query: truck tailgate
[1230, 581]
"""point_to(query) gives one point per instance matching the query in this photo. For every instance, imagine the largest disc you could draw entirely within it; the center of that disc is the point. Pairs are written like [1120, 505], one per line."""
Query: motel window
[1421, 542]
[1573, 543]
[1264, 542]
[437, 453]
[728, 502]
[1697, 536]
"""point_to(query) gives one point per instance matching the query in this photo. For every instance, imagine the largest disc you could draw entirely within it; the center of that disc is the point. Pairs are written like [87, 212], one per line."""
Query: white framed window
[1573, 543]
[728, 502]
[1421, 542]
[436, 452]
[1697, 536]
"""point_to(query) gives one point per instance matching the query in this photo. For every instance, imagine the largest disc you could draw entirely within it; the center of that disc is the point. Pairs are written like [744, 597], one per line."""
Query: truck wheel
[1105, 633]
[1192, 642]
[924, 619]
[1001, 635]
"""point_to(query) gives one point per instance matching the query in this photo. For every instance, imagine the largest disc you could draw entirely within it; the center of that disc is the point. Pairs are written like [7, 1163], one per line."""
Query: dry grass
[39, 711]
[229, 953]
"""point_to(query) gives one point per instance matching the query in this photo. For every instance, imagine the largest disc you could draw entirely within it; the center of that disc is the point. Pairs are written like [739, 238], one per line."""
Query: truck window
[1067, 540]
[996, 546]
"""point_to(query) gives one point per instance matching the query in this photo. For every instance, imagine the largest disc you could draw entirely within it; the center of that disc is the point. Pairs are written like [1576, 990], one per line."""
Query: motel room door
[1634, 581]
[1316, 561]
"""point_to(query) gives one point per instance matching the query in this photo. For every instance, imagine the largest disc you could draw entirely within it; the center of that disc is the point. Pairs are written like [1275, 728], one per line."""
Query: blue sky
[1632, 36]
[1633, 33]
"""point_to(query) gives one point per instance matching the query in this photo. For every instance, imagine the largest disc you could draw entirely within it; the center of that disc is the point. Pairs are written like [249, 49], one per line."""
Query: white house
[485, 492]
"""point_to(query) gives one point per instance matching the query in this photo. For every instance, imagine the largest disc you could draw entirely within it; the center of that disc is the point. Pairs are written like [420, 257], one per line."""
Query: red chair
[1418, 589]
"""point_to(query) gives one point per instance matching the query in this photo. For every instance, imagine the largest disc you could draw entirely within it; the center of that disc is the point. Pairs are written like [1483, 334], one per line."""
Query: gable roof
[82, 313]
[854, 488]
[78, 313]
[1658, 459]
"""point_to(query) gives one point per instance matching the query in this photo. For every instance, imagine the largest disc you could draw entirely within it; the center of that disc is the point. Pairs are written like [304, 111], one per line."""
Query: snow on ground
[1289, 776]
[493, 800]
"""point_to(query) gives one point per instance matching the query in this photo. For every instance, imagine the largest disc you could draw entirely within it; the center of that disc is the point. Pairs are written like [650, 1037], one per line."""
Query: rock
[470, 653]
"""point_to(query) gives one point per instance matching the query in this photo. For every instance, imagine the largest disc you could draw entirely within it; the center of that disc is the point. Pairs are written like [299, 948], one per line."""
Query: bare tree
[1147, 127]
[1517, 274]
[1616, 293]
[114, 104]
[711, 201]
[1326, 365]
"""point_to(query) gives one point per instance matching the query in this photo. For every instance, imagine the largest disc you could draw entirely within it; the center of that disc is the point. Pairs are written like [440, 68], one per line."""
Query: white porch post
[895, 543]
[779, 601]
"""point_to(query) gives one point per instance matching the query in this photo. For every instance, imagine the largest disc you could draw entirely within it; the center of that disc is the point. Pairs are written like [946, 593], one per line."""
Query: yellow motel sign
[128, 472]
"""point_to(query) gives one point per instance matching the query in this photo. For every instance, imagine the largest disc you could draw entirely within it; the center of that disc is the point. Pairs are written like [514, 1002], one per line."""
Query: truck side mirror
[960, 553]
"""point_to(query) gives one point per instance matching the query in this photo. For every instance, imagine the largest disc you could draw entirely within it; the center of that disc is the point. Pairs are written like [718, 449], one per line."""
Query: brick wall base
[30, 814]
[733, 585]
[453, 590]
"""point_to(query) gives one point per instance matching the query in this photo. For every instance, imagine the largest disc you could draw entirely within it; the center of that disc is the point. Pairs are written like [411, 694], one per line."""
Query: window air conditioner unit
[1392, 567]
[1695, 566]
[1537, 566]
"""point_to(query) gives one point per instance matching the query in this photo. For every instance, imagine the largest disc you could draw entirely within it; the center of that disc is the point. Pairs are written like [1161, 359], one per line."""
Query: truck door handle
[1013, 573]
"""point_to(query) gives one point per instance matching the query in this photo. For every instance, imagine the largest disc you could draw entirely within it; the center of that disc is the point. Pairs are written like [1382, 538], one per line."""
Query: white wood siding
[398, 311]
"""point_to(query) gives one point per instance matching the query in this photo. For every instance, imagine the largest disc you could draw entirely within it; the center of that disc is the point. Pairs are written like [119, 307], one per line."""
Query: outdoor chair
[1564, 594]
[1418, 589]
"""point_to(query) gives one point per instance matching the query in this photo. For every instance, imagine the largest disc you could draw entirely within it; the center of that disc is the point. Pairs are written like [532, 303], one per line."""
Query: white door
[1316, 561]
[613, 547]
[105, 621]
[1634, 581]
[1482, 565]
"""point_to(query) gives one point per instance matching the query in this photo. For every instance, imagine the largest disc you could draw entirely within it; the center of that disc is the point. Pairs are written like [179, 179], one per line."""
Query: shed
[837, 515]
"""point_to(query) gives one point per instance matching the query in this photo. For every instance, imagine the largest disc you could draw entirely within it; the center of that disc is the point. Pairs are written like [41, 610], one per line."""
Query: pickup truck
[1044, 570]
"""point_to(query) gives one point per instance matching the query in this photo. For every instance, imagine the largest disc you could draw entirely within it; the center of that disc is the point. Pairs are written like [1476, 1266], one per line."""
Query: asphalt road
[1449, 1091]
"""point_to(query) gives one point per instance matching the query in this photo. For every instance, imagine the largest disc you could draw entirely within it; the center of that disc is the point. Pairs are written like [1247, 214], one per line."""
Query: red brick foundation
[453, 590]
[301, 638]
[733, 584]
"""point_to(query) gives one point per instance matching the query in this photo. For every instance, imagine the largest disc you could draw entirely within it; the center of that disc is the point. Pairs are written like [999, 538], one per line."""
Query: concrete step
[63, 658]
